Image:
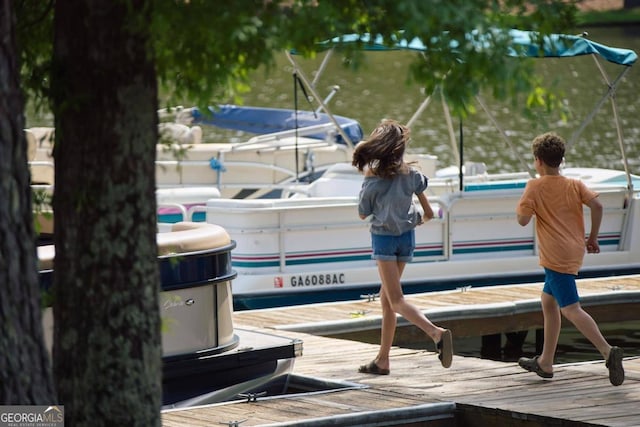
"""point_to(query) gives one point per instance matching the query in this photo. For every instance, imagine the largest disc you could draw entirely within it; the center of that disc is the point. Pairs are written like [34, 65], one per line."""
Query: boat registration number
[318, 279]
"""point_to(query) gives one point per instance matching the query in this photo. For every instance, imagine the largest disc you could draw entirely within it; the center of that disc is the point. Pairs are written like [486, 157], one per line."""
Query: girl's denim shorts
[393, 248]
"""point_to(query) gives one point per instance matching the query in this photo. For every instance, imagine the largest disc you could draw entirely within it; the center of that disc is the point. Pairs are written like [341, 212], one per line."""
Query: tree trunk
[107, 350]
[25, 369]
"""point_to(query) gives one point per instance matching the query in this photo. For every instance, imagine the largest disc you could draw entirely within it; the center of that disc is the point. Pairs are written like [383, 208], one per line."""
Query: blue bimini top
[520, 44]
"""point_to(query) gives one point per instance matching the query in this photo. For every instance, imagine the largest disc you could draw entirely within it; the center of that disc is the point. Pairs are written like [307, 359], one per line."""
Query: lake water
[379, 90]
[572, 345]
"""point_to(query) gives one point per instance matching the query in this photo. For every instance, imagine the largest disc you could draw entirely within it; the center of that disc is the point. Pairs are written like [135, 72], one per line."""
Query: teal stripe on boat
[608, 242]
[172, 218]
[328, 259]
[428, 253]
[259, 264]
[507, 248]
[494, 186]
[254, 264]
[199, 216]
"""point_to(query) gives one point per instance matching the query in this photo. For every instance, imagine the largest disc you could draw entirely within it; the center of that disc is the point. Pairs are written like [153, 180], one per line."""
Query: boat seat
[184, 237]
[180, 133]
[192, 236]
[324, 187]
[339, 180]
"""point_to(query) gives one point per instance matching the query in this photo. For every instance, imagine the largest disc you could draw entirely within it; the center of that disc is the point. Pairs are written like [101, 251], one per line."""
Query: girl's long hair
[383, 151]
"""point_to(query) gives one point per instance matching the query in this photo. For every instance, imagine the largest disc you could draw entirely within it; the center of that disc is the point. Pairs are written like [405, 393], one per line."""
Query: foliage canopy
[205, 51]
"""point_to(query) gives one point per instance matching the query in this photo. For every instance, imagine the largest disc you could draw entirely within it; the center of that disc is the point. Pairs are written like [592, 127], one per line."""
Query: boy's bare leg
[587, 327]
[552, 325]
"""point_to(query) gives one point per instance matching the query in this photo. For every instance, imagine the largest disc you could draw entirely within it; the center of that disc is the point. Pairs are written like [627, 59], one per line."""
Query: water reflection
[572, 346]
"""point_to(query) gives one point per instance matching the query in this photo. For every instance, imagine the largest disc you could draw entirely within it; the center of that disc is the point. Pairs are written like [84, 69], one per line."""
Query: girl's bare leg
[387, 332]
[390, 274]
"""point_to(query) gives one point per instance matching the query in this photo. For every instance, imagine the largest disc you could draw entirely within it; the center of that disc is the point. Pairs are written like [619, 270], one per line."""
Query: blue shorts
[561, 286]
[393, 248]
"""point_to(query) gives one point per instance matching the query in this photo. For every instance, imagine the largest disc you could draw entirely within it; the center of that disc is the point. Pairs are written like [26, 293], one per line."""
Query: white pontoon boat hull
[308, 249]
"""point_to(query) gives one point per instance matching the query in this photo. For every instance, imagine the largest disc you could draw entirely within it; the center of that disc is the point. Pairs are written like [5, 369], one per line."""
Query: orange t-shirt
[556, 202]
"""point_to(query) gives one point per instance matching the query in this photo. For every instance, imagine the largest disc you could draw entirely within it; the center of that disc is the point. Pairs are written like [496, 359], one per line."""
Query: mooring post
[491, 347]
[513, 346]
[539, 340]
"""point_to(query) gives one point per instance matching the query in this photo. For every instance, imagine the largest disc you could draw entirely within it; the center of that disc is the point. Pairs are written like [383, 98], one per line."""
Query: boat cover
[262, 120]
[523, 44]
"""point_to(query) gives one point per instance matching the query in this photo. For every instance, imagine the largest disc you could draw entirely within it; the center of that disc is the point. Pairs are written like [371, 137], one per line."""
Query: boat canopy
[262, 120]
[523, 44]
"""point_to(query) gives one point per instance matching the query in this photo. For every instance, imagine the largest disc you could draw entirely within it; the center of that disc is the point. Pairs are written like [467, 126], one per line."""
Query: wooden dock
[473, 392]
[468, 311]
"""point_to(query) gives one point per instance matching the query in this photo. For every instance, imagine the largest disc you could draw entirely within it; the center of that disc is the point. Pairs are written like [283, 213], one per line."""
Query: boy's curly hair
[549, 147]
[383, 151]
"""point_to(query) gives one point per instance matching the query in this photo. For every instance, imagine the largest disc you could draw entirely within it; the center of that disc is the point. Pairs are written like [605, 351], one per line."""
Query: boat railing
[257, 165]
[294, 229]
[183, 211]
[625, 200]
[43, 187]
[291, 133]
[281, 144]
[188, 216]
[288, 175]
[470, 207]
[283, 234]
[502, 176]
[41, 163]
[227, 172]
